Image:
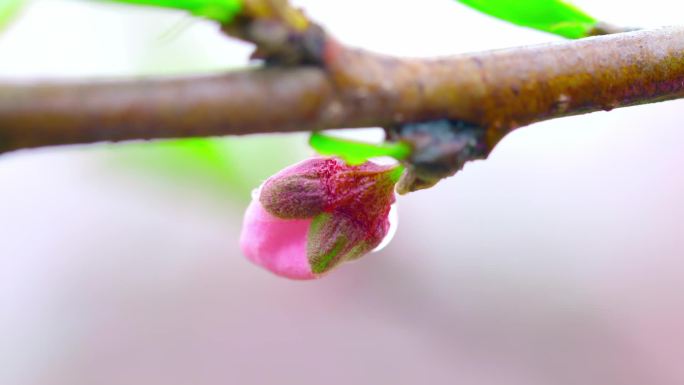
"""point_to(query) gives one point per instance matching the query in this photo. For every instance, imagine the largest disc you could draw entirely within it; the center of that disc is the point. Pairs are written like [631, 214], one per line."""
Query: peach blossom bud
[316, 214]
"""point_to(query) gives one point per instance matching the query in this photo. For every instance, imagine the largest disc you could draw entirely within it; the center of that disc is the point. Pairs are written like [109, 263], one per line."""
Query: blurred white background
[559, 260]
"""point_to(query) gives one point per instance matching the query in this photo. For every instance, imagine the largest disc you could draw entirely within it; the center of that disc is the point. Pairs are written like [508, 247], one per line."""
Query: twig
[499, 90]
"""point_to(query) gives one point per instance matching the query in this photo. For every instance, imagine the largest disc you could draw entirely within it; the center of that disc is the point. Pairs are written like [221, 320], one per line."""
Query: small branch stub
[440, 148]
[283, 35]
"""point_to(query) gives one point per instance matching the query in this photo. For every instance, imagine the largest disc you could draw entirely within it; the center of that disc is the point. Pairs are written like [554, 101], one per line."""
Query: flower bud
[296, 192]
[316, 214]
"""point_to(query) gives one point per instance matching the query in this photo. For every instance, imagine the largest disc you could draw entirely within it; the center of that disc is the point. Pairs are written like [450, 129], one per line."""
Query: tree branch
[499, 90]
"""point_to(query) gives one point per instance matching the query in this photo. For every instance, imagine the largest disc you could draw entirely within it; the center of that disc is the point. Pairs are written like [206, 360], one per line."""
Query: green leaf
[8, 10]
[554, 16]
[354, 152]
[222, 11]
[226, 167]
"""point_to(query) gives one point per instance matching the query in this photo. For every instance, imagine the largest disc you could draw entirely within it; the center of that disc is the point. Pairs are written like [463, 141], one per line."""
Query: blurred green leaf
[8, 10]
[354, 152]
[231, 167]
[220, 10]
[554, 16]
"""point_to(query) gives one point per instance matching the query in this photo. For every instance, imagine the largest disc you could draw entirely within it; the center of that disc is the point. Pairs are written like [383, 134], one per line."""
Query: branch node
[440, 148]
[283, 35]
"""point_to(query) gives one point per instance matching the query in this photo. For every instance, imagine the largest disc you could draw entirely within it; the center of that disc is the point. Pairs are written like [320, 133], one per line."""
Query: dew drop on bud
[394, 224]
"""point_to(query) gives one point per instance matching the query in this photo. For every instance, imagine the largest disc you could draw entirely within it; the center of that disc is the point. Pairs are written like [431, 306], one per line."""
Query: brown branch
[499, 90]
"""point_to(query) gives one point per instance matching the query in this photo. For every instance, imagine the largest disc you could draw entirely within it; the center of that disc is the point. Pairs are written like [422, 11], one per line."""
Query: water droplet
[394, 223]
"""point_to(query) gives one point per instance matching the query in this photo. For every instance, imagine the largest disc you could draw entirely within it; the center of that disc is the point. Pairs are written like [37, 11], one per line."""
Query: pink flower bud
[316, 214]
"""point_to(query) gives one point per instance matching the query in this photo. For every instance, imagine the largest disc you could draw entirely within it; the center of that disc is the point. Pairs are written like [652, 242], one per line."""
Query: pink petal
[279, 245]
